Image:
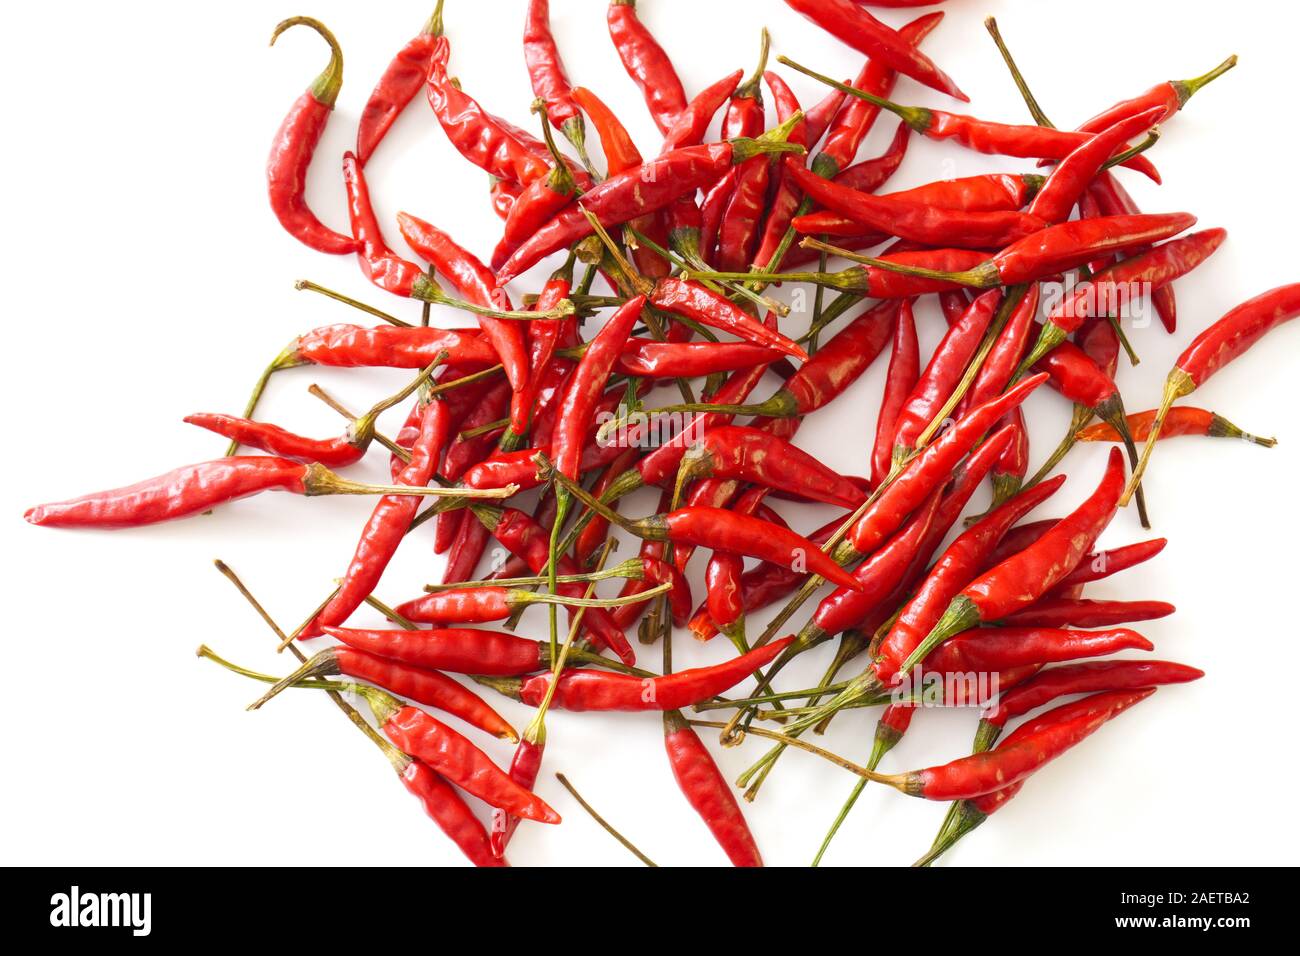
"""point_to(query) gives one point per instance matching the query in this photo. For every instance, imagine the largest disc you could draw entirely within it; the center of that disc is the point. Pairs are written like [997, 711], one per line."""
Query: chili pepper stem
[1177, 385]
[324, 664]
[306, 285]
[319, 480]
[961, 615]
[547, 472]
[1035, 111]
[897, 781]
[1081, 416]
[965, 820]
[315, 391]
[325, 88]
[1186, 89]
[880, 746]
[780, 405]
[1133, 358]
[426, 289]
[604, 824]
[1111, 411]
[632, 569]
[529, 597]
[1220, 427]
[208, 653]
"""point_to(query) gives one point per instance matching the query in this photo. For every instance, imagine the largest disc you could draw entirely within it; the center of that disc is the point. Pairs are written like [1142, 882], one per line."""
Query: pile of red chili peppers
[528, 423]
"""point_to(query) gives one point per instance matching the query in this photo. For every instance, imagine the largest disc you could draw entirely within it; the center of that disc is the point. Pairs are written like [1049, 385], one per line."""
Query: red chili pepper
[194, 489]
[388, 524]
[882, 281]
[692, 124]
[466, 452]
[917, 222]
[646, 63]
[388, 346]
[454, 757]
[477, 283]
[546, 72]
[1214, 348]
[399, 85]
[525, 765]
[738, 227]
[615, 141]
[1110, 292]
[658, 571]
[1010, 470]
[479, 136]
[853, 25]
[870, 174]
[746, 454]
[504, 195]
[945, 369]
[1170, 97]
[708, 791]
[998, 648]
[420, 684]
[381, 265]
[1019, 581]
[956, 568]
[1072, 612]
[1181, 420]
[466, 552]
[693, 301]
[294, 144]
[580, 689]
[900, 380]
[1000, 365]
[446, 808]
[459, 650]
[724, 595]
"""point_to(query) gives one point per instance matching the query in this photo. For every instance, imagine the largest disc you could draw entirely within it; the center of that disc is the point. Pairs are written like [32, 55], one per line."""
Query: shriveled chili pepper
[485, 604]
[708, 791]
[478, 135]
[853, 25]
[747, 454]
[944, 370]
[1110, 291]
[446, 808]
[718, 530]
[1181, 420]
[1075, 612]
[900, 380]
[382, 266]
[294, 144]
[738, 227]
[998, 648]
[1009, 473]
[1214, 348]
[646, 63]
[652, 186]
[454, 757]
[916, 221]
[421, 685]
[724, 598]
[1022, 579]
[401, 81]
[581, 689]
[982, 136]
[387, 346]
[884, 281]
[459, 650]
[504, 196]
[546, 72]
[195, 489]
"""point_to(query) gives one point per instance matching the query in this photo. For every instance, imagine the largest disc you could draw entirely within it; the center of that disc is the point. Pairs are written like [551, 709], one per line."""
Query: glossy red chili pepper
[738, 227]
[586, 384]
[590, 539]
[546, 71]
[1170, 97]
[956, 568]
[1073, 612]
[652, 186]
[853, 25]
[747, 454]
[525, 765]
[1020, 580]
[399, 84]
[918, 222]
[388, 524]
[692, 124]
[1018, 757]
[477, 135]
[419, 684]
[870, 174]
[466, 452]
[580, 689]
[459, 650]
[724, 595]
[998, 648]
[1101, 565]
[466, 552]
[1214, 348]
[1109, 292]
[615, 141]
[452, 814]
[900, 380]
[693, 301]
[785, 197]
[476, 282]
[330, 452]
[389, 346]
[657, 571]
[1010, 470]
[1181, 420]
[545, 337]
[1112, 199]
[708, 791]
[931, 468]
[194, 489]
[381, 265]
[294, 144]
[537, 205]
[646, 63]
[945, 369]
[455, 758]
[954, 303]
[504, 195]
[1000, 365]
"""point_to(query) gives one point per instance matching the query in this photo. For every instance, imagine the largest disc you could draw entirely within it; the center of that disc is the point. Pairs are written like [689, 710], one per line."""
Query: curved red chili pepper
[381, 265]
[1073, 612]
[708, 792]
[693, 301]
[853, 25]
[646, 63]
[330, 452]
[1181, 420]
[525, 765]
[546, 70]
[399, 84]
[658, 571]
[1170, 97]
[294, 144]
[1000, 364]
[453, 816]
[998, 648]
[870, 174]
[504, 196]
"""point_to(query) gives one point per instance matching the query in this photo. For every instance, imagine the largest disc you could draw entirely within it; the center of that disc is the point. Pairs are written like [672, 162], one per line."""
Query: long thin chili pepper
[1076, 612]
[486, 604]
[1170, 97]
[546, 72]
[1181, 420]
[999, 648]
[401, 82]
[646, 63]
[294, 144]
[740, 220]
[1214, 348]
[900, 381]
[982, 136]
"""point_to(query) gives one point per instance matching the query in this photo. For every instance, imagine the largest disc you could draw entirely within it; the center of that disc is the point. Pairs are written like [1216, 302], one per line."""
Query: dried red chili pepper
[738, 226]
[1170, 97]
[900, 380]
[546, 72]
[646, 63]
[870, 174]
[459, 650]
[386, 346]
[294, 144]
[504, 195]
[998, 648]
[724, 596]
[1181, 420]
[1022, 579]
[1009, 473]
[195, 489]
[708, 791]
[401, 81]
[615, 141]
[1214, 348]
[1074, 612]
[580, 690]
[853, 25]
[884, 281]
[485, 604]
[446, 808]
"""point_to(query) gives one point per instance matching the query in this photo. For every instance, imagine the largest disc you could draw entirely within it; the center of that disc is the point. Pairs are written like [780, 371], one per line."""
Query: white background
[146, 279]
